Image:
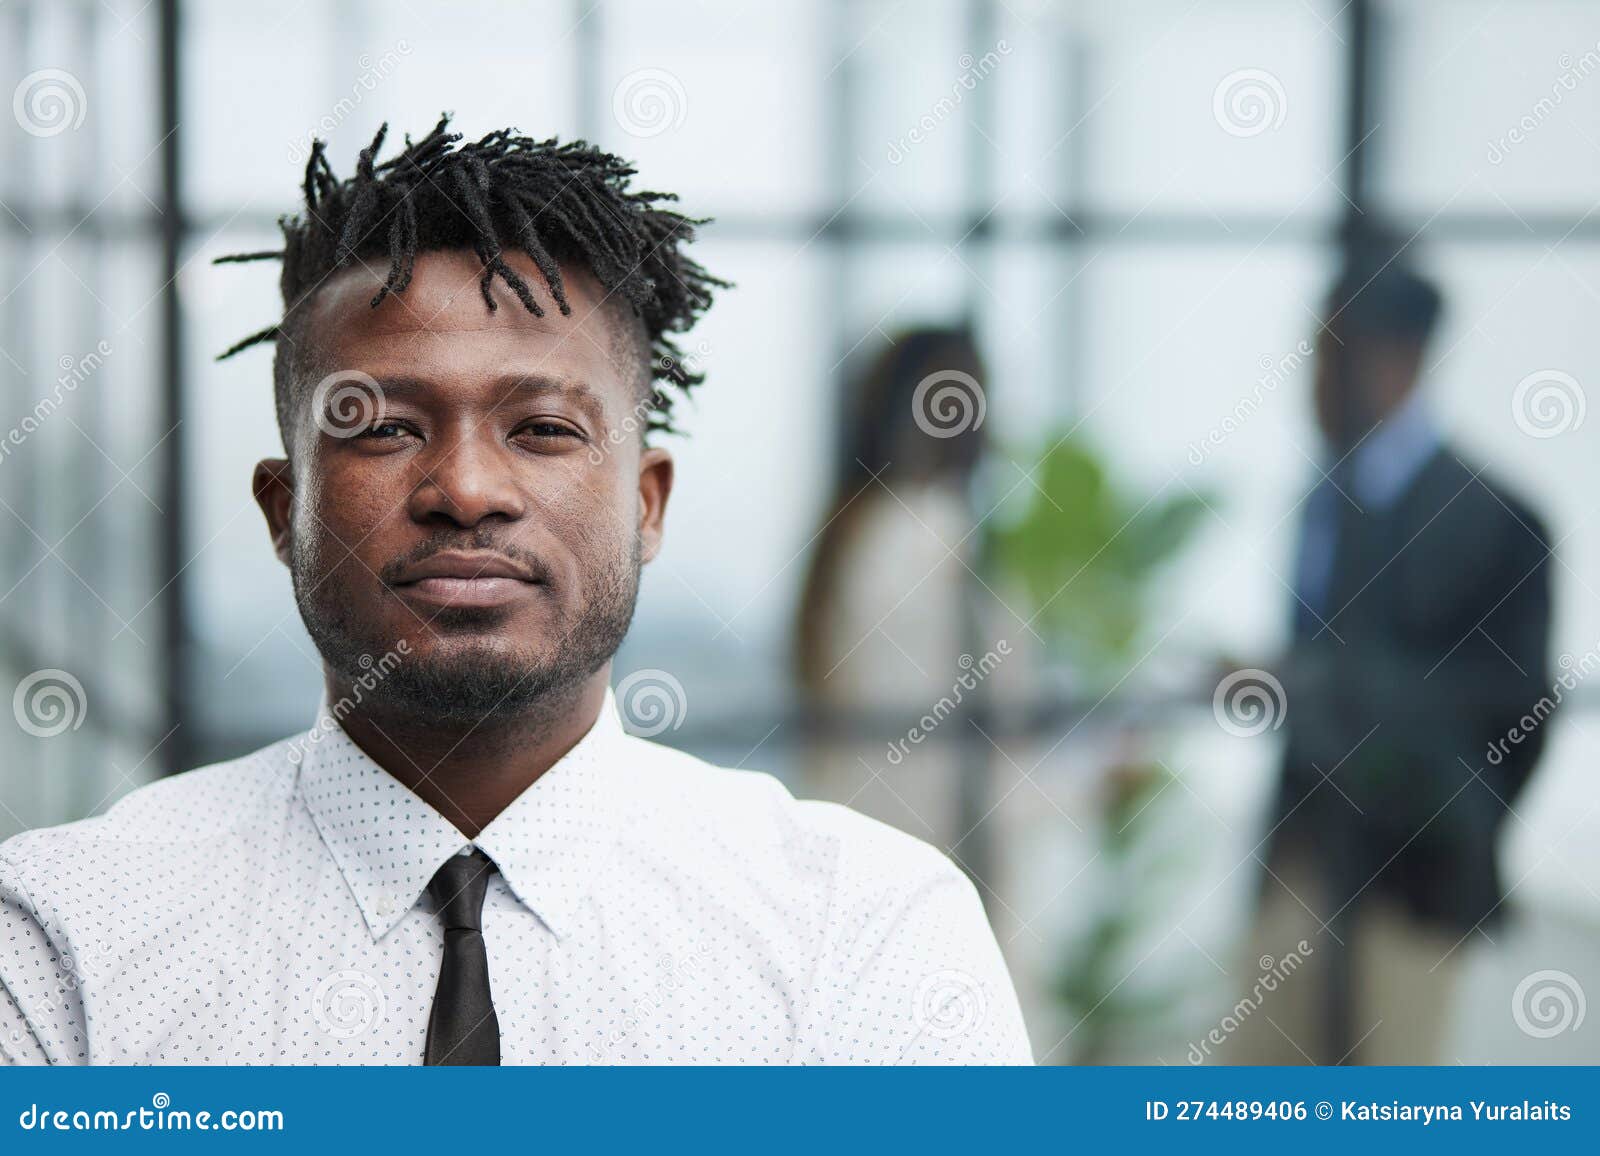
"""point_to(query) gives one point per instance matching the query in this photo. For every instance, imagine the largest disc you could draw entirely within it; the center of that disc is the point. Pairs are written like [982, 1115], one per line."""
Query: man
[466, 860]
[1421, 625]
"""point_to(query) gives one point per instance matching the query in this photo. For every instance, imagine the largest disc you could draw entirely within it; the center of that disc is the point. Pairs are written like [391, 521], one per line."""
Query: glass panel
[903, 66]
[1522, 313]
[255, 661]
[753, 470]
[1175, 341]
[127, 158]
[242, 152]
[724, 109]
[494, 62]
[1210, 109]
[1492, 108]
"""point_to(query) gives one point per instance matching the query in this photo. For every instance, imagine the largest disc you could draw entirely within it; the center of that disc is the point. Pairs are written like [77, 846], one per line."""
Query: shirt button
[386, 906]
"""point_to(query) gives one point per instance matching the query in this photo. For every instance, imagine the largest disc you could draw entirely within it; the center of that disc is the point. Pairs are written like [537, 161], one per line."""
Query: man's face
[1359, 380]
[483, 508]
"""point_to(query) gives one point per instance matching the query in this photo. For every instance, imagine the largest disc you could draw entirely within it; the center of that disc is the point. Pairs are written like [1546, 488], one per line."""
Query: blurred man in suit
[1420, 638]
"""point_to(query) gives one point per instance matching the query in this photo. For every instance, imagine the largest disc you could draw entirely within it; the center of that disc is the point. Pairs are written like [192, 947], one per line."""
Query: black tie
[463, 1028]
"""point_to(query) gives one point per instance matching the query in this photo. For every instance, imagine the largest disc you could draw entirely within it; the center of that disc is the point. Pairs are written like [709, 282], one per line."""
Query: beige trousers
[1402, 974]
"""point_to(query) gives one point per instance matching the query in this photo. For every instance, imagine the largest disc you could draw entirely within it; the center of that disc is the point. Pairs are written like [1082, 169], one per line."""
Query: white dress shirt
[648, 908]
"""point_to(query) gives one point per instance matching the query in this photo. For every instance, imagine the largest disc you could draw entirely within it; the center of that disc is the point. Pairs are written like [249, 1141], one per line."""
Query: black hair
[555, 202]
[883, 410]
[893, 432]
[1379, 295]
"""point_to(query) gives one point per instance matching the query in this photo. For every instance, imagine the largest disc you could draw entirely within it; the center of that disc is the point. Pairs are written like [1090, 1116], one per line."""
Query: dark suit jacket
[1436, 647]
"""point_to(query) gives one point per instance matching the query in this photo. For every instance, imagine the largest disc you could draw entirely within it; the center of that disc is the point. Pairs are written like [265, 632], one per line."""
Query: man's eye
[387, 429]
[547, 429]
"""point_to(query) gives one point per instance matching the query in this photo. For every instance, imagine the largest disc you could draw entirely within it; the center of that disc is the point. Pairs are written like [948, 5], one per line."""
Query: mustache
[482, 539]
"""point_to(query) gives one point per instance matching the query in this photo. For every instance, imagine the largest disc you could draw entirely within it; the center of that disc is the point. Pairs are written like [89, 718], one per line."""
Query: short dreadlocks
[555, 202]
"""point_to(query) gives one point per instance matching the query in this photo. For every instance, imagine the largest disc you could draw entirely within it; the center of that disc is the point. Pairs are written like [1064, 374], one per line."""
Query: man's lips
[466, 578]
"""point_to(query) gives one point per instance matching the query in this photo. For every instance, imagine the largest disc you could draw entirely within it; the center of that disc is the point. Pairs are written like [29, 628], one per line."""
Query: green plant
[1112, 1014]
[1085, 551]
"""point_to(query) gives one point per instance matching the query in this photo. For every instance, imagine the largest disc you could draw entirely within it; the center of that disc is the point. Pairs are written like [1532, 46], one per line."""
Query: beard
[493, 674]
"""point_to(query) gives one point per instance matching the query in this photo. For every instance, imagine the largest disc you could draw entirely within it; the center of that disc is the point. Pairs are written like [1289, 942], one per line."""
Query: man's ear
[273, 485]
[655, 487]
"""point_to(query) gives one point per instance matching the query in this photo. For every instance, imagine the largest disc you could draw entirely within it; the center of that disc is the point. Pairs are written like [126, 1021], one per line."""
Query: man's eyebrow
[401, 387]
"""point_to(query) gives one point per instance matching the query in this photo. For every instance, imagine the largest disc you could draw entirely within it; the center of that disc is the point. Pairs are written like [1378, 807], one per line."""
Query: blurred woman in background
[884, 625]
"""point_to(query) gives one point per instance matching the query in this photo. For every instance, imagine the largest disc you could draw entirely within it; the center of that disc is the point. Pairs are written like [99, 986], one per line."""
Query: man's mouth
[466, 578]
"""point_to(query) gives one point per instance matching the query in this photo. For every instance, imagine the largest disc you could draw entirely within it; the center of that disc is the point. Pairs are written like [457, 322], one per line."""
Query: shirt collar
[549, 843]
[1395, 452]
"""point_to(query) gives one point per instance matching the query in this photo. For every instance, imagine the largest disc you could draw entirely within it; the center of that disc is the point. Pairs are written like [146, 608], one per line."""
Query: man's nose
[468, 479]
